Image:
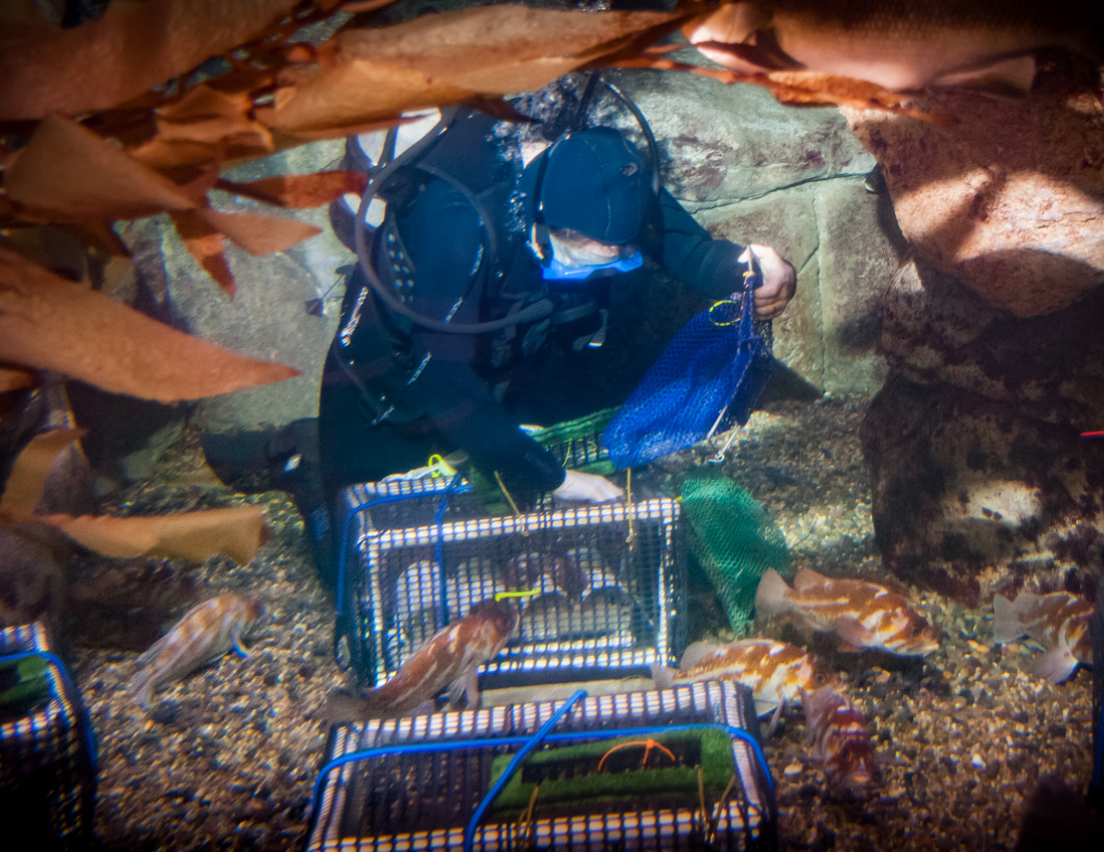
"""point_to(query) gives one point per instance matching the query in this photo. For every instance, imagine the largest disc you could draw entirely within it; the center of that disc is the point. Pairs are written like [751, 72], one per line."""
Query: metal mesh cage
[47, 775]
[435, 782]
[609, 581]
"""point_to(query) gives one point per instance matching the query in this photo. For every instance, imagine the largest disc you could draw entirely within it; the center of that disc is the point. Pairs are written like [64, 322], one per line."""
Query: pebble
[792, 769]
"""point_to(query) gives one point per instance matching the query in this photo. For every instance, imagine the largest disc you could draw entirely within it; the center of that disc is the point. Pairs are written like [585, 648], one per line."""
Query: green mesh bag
[735, 541]
[577, 444]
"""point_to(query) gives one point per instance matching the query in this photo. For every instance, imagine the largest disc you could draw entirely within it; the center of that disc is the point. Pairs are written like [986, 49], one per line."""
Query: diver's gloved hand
[587, 487]
[779, 281]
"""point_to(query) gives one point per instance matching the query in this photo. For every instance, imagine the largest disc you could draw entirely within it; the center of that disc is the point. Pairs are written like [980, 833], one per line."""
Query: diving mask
[577, 259]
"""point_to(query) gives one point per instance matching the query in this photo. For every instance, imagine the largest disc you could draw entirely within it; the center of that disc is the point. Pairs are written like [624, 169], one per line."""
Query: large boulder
[980, 475]
[1008, 196]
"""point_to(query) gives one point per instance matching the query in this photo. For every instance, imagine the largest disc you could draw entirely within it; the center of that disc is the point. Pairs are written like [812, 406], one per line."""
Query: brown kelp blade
[24, 486]
[437, 60]
[796, 88]
[133, 47]
[237, 532]
[73, 174]
[299, 191]
[49, 323]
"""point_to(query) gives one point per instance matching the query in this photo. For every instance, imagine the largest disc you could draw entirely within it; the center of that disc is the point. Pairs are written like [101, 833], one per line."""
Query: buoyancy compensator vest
[380, 292]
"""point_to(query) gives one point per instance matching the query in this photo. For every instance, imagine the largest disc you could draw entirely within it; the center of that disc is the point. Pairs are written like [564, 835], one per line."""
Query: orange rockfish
[776, 672]
[863, 614]
[207, 632]
[449, 660]
[1058, 621]
[836, 733]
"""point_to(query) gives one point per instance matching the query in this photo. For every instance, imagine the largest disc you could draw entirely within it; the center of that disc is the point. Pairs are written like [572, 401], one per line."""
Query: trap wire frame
[425, 782]
[48, 756]
[611, 580]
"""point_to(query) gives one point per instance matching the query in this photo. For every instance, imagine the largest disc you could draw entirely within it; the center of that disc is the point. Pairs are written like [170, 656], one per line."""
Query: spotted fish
[776, 672]
[1058, 621]
[207, 632]
[863, 615]
[448, 661]
[836, 733]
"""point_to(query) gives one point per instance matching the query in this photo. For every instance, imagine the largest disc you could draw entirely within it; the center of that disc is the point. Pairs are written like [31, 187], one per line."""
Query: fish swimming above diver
[901, 45]
[448, 661]
[836, 733]
[1058, 621]
[775, 672]
[204, 634]
[863, 615]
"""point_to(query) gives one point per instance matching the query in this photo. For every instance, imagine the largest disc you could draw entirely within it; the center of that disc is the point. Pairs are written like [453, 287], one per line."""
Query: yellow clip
[440, 466]
[521, 593]
[717, 305]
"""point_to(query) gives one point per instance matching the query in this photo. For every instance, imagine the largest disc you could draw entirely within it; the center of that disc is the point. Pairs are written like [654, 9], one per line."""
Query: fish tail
[1056, 666]
[142, 688]
[343, 707]
[662, 676]
[772, 596]
[1006, 620]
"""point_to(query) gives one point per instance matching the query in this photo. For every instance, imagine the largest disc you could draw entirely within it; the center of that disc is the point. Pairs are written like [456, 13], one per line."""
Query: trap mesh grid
[47, 775]
[374, 797]
[609, 581]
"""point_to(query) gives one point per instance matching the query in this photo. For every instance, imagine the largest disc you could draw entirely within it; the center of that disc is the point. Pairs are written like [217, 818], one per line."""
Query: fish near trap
[600, 588]
[680, 768]
[47, 754]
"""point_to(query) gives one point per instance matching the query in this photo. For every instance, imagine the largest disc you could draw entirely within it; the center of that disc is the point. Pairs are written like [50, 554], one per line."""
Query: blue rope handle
[511, 768]
[492, 742]
[67, 686]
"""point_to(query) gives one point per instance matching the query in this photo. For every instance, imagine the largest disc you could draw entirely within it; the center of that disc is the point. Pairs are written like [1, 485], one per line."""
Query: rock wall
[980, 477]
[752, 170]
[1006, 195]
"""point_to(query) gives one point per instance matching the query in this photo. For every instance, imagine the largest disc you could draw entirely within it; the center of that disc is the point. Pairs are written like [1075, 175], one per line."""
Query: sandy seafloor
[226, 758]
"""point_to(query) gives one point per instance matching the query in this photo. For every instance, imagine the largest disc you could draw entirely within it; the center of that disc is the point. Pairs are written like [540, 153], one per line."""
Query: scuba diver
[481, 266]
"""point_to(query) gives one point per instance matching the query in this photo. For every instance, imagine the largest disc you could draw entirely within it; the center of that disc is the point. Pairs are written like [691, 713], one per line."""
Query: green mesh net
[577, 444]
[735, 541]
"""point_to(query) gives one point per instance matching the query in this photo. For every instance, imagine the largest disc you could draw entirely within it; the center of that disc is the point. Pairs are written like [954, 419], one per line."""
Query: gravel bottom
[226, 759]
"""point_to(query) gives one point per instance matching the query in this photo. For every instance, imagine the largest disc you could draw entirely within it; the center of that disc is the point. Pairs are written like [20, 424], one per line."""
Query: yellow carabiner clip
[440, 467]
[732, 302]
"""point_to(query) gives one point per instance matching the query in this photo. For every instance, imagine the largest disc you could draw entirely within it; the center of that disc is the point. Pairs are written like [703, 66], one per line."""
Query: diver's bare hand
[588, 487]
[779, 281]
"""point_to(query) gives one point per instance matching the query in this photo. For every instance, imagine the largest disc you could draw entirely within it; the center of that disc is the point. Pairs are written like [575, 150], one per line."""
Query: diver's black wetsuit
[474, 265]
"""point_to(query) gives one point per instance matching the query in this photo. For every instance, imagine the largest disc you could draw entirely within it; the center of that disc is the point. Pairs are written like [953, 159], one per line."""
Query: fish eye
[916, 631]
[820, 678]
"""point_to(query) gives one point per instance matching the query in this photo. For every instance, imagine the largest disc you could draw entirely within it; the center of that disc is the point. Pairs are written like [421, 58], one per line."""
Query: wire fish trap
[587, 774]
[605, 583]
[47, 754]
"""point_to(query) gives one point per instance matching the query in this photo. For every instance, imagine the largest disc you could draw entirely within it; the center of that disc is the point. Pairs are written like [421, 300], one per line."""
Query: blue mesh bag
[708, 379]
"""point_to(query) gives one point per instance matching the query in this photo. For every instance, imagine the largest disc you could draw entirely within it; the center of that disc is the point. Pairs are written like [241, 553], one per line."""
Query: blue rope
[523, 752]
[67, 685]
[495, 742]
